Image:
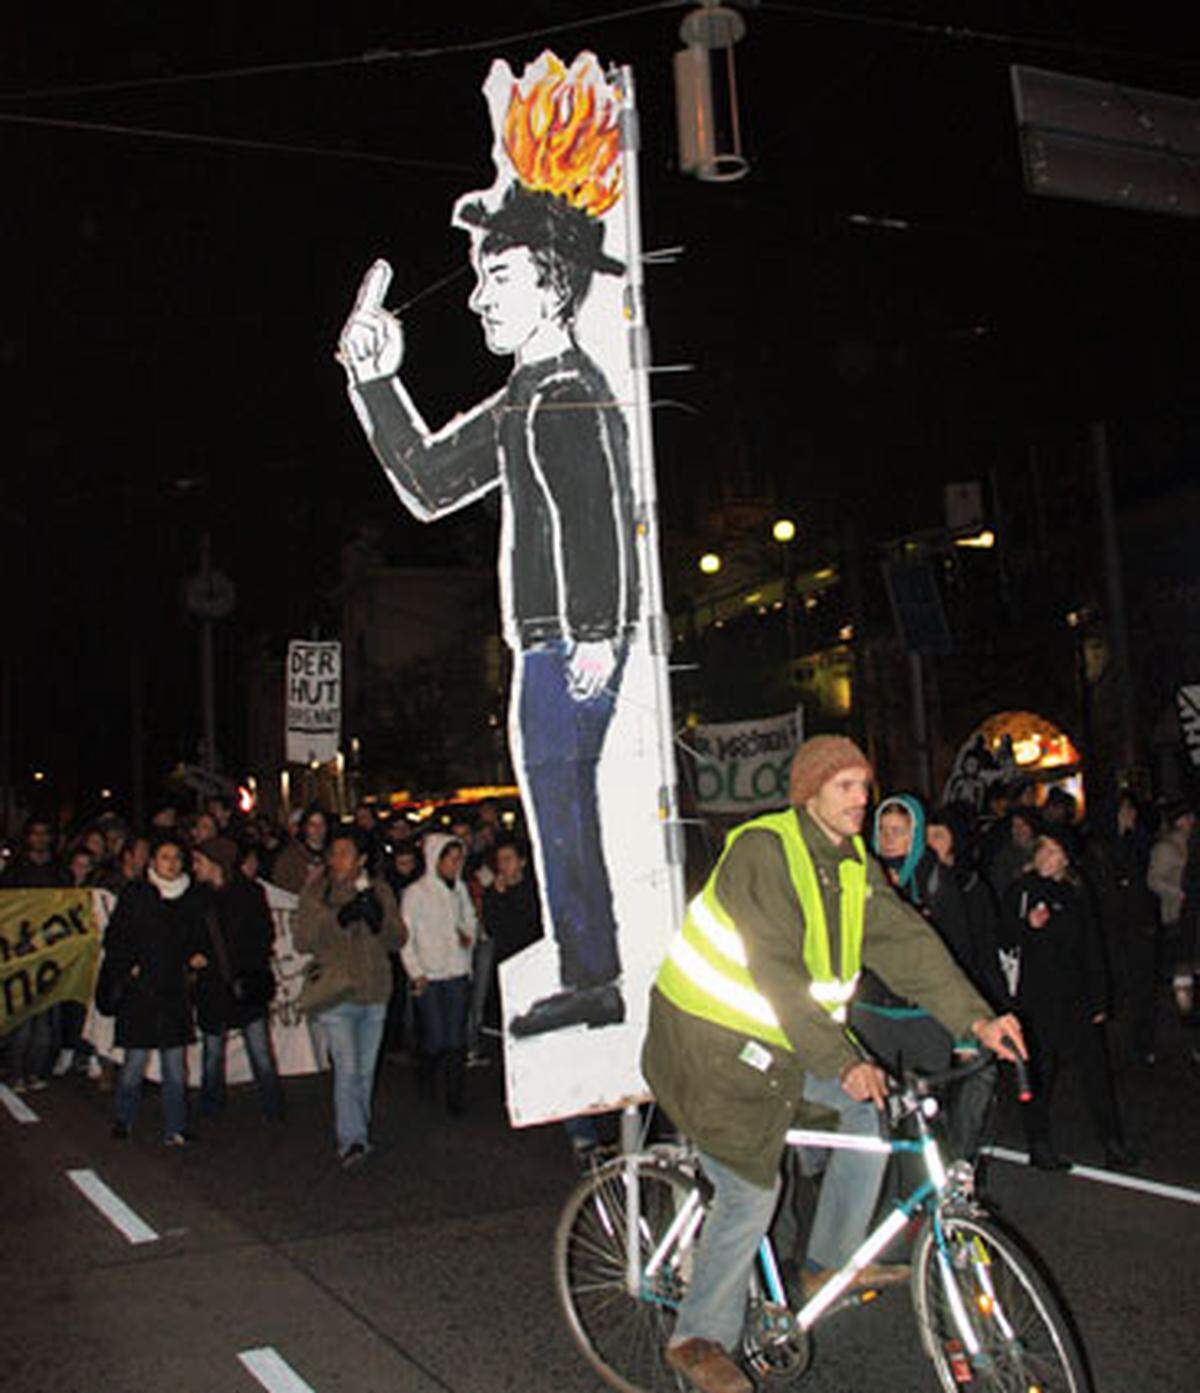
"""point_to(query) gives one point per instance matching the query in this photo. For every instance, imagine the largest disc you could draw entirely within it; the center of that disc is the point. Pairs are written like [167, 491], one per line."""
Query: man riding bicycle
[746, 1025]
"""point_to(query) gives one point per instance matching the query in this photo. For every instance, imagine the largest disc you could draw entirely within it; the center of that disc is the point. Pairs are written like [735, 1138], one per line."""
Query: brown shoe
[706, 1366]
[875, 1274]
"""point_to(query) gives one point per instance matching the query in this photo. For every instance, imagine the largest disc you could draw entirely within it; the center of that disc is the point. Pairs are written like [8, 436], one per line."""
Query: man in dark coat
[1115, 864]
[511, 913]
[973, 940]
[35, 866]
[30, 1047]
[1062, 997]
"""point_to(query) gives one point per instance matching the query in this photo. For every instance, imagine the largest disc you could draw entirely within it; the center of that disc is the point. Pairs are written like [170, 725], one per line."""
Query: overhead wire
[965, 34]
[369, 58]
[386, 55]
[275, 147]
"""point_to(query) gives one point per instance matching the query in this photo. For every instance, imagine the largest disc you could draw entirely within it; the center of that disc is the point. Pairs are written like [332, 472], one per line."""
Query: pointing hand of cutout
[371, 345]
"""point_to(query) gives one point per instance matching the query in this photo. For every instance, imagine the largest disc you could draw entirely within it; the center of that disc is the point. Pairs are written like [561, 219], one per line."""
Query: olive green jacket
[365, 955]
[736, 1096]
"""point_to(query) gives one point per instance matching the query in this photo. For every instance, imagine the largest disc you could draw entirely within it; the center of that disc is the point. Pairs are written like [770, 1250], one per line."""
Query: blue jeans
[354, 1031]
[483, 965]
[129, 1088]
[714, 1307]
[582, 1131]
[442, 1011]
[850, 1185]
[262, 1066]
[31, 1046]
[561, 743]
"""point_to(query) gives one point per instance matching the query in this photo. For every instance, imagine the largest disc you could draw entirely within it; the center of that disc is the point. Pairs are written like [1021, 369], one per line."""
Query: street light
[706, 96]
[985, 539]
[784, 532]
[710, 563]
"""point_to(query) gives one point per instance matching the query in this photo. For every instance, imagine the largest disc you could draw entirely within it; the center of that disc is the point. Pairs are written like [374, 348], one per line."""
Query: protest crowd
[1073, 923]
[402, 929]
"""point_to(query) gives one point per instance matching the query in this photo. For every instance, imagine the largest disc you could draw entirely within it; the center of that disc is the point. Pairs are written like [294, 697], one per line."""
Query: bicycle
[987, 1318]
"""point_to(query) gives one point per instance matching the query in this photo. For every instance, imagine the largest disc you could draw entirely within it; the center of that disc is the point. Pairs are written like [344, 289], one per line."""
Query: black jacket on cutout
[554, 441]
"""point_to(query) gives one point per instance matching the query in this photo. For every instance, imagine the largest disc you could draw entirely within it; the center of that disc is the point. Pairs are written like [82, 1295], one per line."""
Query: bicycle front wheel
[621, 1333]
[1016, 1338]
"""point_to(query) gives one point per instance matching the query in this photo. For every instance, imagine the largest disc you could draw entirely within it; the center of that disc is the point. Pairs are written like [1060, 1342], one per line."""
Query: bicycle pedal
[960, 1365]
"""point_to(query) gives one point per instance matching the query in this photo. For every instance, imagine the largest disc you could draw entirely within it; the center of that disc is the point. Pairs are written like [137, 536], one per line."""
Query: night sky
[171, 306]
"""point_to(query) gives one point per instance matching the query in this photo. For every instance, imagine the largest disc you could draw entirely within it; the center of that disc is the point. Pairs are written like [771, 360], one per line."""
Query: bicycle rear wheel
[1025, 1343]
[621, 1334]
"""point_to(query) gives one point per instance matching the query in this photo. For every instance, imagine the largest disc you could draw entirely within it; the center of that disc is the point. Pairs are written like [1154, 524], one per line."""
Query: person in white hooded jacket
[442, 929]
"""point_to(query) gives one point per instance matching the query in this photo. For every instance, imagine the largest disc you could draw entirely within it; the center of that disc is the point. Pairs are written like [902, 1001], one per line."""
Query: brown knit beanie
[221, 851]
[818, 760]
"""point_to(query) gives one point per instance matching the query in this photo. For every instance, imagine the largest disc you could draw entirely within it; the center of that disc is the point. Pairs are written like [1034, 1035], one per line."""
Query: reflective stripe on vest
[706, 970]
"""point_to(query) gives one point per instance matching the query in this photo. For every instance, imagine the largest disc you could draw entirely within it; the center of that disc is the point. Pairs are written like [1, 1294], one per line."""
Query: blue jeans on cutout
[442, 1011]
[354, 1031]
[561, 742]
[262, 1066]
[714, 1307]
[174, 1098]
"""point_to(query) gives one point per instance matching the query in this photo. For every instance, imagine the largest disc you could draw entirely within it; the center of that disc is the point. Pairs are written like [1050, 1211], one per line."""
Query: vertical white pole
[630, 1127]
[646, 498]
[646, 542]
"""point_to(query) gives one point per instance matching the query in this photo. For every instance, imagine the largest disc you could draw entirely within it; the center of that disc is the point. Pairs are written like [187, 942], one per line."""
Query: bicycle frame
[880, 1237]
[681, 1233]
[625, 1245]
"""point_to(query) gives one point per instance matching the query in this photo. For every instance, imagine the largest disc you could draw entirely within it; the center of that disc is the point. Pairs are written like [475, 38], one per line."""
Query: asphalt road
[427, 1270]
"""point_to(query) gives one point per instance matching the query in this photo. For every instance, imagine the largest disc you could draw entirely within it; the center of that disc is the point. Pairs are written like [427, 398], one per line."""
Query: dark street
[429, 1267]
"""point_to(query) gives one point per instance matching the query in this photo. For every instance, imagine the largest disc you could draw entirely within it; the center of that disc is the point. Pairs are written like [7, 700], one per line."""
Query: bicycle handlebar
[932, 1083]
[1024, 1088]
[923, 1084]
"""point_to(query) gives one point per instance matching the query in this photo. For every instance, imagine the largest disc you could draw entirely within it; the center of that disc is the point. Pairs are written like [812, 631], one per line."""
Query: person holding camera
[349, 922]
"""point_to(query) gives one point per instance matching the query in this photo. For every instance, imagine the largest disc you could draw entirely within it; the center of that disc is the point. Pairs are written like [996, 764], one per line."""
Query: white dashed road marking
[114, 1209]
[1117, 1178]
[273, 1371]
[17, 1105]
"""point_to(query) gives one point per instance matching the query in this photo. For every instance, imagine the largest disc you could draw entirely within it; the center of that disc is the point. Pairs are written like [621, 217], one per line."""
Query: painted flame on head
[562, 136]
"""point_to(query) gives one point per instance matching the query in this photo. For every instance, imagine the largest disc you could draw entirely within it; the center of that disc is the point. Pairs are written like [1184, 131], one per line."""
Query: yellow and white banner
[49, 944]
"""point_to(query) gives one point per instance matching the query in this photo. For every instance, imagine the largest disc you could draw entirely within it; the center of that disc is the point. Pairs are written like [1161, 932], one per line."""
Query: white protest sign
[293, 1044]
[743, 766]
[1187, 701]
[313, 696]
[557, 238]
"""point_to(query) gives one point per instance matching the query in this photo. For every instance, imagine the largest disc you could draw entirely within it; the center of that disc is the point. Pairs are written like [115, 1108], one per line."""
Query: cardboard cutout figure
[556, 442]
[976, 769]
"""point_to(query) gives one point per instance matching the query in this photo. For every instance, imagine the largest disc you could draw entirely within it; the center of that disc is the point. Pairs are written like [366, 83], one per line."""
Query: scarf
[168, 889]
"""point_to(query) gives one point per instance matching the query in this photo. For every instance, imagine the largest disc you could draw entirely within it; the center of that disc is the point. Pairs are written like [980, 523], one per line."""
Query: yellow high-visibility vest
[706, 970]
